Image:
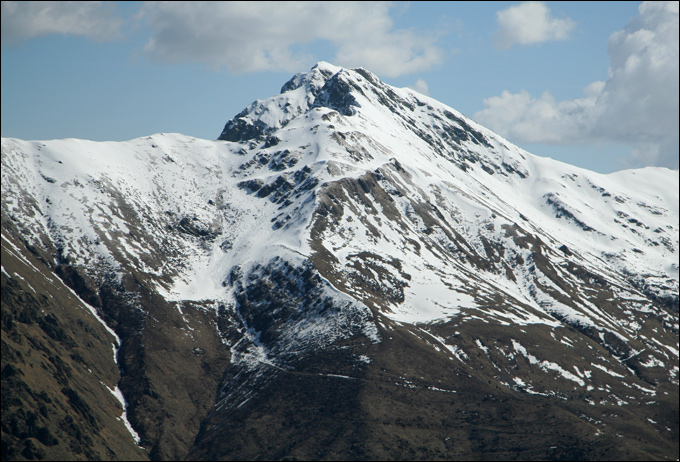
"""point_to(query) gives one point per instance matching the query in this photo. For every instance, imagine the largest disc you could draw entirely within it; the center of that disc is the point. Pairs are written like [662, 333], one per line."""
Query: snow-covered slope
[391, 209]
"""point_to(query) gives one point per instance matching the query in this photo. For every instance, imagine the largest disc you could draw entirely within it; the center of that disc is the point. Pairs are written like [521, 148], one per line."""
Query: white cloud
[530, 22]
[521, 117]
[25, 20]
[637, 105]
[261, 36]
[421, 87]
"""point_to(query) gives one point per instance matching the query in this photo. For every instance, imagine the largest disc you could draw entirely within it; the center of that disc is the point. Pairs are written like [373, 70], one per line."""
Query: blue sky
[594, 84]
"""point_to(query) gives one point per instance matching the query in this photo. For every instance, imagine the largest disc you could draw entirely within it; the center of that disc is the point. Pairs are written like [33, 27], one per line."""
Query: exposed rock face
[351, 271]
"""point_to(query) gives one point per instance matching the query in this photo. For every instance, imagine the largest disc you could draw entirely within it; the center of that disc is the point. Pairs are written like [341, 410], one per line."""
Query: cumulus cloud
[262, 36]
[637, 105]
[522, 117]
[421, 87]
[25, 20]
[528, 23]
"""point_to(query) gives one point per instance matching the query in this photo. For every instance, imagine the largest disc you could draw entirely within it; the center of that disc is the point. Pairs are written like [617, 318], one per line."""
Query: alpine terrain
[351, 271]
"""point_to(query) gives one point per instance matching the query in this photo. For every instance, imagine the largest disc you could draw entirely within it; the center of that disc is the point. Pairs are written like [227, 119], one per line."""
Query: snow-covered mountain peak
[264, 116]
[345, 213]
[394, 117]
[314, 79]
[404, 163]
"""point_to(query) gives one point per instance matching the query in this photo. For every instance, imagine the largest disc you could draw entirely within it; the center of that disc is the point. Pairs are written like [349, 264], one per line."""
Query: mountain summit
[352, 270]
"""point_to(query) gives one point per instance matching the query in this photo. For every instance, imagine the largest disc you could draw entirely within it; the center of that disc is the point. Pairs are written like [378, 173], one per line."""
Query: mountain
[351, 271]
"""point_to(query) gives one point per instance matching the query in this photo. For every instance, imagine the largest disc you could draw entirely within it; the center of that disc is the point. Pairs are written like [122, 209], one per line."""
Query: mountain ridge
[333, 225]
